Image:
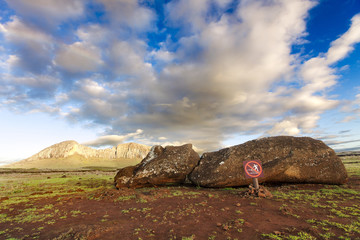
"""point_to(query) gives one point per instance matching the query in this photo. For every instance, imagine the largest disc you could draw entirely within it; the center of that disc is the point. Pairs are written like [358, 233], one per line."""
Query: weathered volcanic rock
[160, 167]
[284, 159]
[123, 176]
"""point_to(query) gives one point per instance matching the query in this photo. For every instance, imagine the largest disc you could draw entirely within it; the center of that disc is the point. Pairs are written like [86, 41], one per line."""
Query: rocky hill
[70, 154]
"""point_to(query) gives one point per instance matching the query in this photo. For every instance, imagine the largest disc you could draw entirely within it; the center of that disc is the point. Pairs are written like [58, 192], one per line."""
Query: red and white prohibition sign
[253, 169]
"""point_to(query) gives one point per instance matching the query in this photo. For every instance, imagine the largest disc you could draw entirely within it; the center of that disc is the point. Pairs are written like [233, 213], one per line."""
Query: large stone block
[284, 159]
[160, 167]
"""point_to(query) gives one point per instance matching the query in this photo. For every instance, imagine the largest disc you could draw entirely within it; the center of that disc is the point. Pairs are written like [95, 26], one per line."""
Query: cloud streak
[112, 140]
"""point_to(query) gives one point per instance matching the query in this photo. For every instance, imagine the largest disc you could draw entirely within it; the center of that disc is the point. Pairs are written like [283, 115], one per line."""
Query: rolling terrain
[86, 205]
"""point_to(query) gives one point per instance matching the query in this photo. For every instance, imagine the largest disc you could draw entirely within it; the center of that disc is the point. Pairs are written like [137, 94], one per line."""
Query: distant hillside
[70, 154]
[348, 153]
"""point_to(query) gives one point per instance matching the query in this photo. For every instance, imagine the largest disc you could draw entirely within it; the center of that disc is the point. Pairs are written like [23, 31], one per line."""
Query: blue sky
[211, 72]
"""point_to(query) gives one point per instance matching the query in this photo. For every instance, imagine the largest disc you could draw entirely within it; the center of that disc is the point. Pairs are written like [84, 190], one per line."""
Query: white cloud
[162, 55]
[285, 127]
[79, 57]
[220, 73]
[16, 31]
[127, 58]
[188, 12]
[45, 82]
[93, 34]
[33, 46]
[100, 101]
[93, 88]
[348, 119]
[342, 46]
[89, 88]
[12, 61]
[112, 140]
[129, 13]
[47, 11]
[352, 109]
[318, 77]
[28, 90]
[218, 83]
[228, 66]
[357, 101]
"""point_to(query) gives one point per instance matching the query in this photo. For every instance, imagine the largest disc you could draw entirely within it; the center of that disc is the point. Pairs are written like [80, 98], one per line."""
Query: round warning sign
[253, 169]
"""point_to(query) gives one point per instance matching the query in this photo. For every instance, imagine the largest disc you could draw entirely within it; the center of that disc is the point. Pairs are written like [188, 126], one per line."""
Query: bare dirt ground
[87, 206]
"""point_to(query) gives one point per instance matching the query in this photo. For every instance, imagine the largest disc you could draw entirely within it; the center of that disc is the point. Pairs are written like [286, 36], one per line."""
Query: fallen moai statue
[284, 159]
[161, 166]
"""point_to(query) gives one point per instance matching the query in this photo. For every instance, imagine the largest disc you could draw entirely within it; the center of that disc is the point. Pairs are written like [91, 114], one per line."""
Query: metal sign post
[253, 169]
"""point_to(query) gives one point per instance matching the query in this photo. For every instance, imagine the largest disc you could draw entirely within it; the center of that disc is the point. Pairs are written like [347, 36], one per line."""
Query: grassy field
[85, 205]
[352, 164]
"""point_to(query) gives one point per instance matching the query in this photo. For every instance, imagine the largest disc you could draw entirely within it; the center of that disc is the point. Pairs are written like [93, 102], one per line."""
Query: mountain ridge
[71, 154]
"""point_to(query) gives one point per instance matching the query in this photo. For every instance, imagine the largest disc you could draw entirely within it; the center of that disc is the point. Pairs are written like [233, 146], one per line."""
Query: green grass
[28, 190]
[192, 237]
[125, 198]
[338, 207]
[299, 236]
[352, 228]
[352, 165]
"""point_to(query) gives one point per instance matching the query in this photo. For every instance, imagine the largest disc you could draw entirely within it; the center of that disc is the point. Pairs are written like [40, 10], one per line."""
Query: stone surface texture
[123, 176]
[162, 166]
[284, 159]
